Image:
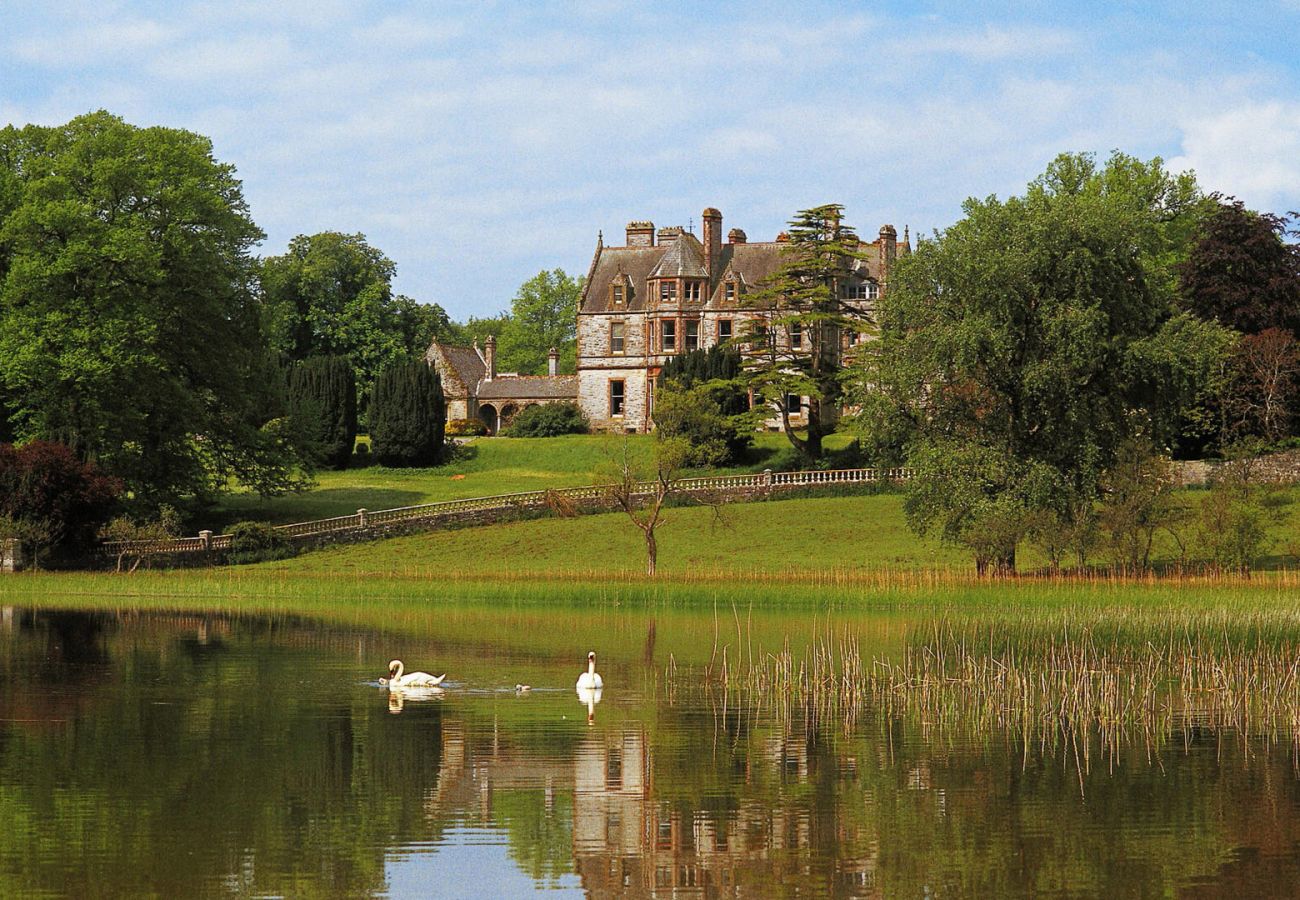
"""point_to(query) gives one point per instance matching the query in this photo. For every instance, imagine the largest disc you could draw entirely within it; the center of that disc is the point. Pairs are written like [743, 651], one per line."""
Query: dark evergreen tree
[323, 407]
[718, 364]
[408, 416]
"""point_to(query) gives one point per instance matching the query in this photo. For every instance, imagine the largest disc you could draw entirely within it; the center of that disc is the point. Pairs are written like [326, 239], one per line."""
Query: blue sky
[476, 143]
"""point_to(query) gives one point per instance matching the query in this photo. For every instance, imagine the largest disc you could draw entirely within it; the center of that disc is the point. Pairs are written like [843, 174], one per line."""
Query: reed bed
[1126, 679]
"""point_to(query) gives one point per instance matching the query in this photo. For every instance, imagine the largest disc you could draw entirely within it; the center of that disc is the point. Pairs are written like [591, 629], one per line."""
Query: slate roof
[684, 259]
[529, 387]
[751, 262]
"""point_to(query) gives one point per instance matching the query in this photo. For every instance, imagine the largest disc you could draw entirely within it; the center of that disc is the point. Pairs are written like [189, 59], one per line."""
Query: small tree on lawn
[50, 499]
[642, 491]
[408, 417]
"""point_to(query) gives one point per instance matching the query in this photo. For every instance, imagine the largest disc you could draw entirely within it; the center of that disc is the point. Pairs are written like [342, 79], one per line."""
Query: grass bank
[486, 466]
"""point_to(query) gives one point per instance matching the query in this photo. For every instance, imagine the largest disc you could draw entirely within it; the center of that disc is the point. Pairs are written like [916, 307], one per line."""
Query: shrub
[465, 428]
[52, 499]
[408, 416]
[257, 542]
[697, 415]
[548, 420]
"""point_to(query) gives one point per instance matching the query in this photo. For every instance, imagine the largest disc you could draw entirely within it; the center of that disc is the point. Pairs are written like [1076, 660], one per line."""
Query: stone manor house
[663, 292]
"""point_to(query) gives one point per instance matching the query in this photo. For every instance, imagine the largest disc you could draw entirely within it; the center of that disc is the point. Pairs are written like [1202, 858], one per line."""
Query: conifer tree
[408, 416]
[323, 407]
[795, 350]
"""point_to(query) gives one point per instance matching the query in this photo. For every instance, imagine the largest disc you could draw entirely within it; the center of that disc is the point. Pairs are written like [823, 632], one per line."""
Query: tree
[1139, 494]
[1022, 347]
[1241, 271]
[128, 532]
[543, 314]
[49, 499]
[323, 406]
[129, 330]
[331, 294]
[700, 397]
[642, 494]
[1261, 392]
[794, 351]
[1234, 515]
[408, 418]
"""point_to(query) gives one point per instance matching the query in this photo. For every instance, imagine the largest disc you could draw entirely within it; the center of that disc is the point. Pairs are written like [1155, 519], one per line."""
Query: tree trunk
[651, 552]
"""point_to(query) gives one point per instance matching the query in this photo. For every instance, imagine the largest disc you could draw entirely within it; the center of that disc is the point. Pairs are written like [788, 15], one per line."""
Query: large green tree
[1022, 347]
[795, 351]
[331, 294]
[129, 329]
[543, 314]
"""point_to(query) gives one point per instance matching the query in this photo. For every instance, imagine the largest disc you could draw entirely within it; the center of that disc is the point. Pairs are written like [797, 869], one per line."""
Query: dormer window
[616, 294]
[730, 290]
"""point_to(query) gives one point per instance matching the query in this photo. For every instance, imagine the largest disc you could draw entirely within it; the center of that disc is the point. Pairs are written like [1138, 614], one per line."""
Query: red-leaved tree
[51, 499]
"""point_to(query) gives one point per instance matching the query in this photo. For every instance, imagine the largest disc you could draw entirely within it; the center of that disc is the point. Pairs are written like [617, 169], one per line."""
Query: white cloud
[98, 43]
[1250, 151]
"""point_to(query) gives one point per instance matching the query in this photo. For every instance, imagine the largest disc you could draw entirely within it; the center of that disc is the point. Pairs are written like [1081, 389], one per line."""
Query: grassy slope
[770, 538]
[490, 466]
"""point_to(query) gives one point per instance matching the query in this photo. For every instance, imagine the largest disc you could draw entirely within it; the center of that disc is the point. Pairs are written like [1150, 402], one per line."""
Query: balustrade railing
[524, 500]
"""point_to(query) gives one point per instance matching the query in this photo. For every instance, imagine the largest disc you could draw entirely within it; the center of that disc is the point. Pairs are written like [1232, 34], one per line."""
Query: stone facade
[475, 390]
[667, 292]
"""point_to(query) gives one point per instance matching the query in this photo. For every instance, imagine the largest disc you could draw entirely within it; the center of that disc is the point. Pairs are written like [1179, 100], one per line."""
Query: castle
[662, 293]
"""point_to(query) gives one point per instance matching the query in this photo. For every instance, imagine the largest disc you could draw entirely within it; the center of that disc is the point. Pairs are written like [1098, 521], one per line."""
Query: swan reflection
[397, 697]
[589, 696]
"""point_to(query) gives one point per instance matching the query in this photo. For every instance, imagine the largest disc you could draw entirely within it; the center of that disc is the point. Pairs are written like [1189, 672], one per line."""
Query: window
[692, 335]
[730, 290]
[862, 290]
[616, 397]
[873, 290]
[616, 294]
[793, 402]
[724, 330]
[796, 335]
[615, 337]
[691, 292]
[667, 291]
[650, 336]
[669, 330]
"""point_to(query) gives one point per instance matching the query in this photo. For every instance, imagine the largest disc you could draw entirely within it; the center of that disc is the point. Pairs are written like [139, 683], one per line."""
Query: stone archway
[507, 413]
[488, 413]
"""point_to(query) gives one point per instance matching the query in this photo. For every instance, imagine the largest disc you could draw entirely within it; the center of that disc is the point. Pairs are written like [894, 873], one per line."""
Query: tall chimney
[490, 356]
[712, 240]
[553, 362]
[640, 234]
[888, 250]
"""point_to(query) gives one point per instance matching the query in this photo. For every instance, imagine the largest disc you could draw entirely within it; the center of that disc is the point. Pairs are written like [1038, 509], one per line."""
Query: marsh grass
[1068, 683]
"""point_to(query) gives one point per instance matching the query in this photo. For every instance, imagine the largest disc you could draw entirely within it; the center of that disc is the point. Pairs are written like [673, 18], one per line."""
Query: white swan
[397, 680]
[590, 697]
[590, 679]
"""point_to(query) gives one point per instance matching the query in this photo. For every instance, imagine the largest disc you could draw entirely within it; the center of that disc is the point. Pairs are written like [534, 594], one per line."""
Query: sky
[478, 143]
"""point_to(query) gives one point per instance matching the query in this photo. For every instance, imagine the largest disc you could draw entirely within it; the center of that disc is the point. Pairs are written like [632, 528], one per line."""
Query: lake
[195, 754]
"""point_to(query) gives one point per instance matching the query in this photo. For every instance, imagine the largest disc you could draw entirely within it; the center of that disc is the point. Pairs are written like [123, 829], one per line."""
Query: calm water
[198, 755]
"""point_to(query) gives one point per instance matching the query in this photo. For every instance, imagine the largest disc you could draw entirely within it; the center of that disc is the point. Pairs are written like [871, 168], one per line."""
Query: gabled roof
[684, 259]
[461, 368]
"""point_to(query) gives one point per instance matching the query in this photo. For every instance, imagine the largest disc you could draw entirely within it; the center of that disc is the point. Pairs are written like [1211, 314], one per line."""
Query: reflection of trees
[211, 769]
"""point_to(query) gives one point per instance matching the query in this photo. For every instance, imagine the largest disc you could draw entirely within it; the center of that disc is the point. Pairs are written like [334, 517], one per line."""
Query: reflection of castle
[629, 841]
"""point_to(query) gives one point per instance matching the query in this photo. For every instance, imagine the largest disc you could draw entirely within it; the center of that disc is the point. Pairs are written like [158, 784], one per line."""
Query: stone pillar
[361, 515]
[767, 479]
[206, 537]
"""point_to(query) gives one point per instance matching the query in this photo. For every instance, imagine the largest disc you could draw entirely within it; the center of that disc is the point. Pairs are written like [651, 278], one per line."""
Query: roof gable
[684, 259]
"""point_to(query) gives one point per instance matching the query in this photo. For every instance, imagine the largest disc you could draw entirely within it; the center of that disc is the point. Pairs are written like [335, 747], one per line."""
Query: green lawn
[488, 466]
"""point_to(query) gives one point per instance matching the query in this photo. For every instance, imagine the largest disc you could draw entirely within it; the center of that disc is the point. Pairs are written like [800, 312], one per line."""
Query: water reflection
[191, 754]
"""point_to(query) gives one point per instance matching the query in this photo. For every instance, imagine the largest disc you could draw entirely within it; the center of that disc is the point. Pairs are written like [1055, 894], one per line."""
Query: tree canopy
[543, 314]
[129, 329]
[1023, 346]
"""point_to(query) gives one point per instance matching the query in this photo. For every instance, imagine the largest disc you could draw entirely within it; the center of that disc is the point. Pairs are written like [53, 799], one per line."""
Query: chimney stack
[640, 234]
[553, 362]
[736, 236]
[712, 240]
[490, 356]
[888, 250]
